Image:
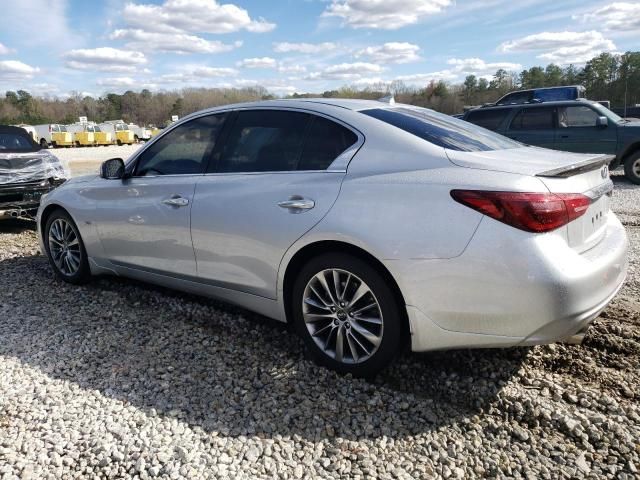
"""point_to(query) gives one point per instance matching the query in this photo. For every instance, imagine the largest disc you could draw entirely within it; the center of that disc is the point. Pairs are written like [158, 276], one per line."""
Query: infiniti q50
[364, 224]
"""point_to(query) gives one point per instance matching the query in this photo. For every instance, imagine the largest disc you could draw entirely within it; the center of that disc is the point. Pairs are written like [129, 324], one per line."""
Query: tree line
[606, 77]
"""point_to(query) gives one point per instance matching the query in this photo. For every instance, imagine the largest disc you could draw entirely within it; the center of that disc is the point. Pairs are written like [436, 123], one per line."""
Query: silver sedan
[367, 225]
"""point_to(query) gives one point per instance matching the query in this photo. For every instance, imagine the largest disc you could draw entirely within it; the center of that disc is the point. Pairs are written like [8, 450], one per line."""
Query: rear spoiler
[588, 165]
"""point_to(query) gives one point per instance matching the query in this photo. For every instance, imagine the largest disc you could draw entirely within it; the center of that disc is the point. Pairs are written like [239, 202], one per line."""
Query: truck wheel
[77, 144]
[632, 168]
[43, 143]
[136, 139]
[119, 143]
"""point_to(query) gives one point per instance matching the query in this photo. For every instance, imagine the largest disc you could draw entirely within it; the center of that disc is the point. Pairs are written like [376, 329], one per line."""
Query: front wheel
[632, 168]
[347, 315]
[65, 248]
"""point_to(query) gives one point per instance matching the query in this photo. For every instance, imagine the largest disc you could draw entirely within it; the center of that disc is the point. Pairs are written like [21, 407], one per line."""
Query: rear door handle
[176, 201]
[297, 203]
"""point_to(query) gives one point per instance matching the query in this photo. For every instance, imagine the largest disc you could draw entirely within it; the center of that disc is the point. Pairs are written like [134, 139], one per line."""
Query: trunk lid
[560, 172]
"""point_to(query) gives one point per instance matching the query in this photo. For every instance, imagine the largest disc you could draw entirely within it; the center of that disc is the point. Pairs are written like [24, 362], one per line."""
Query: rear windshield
[16, 142]
[442, 130]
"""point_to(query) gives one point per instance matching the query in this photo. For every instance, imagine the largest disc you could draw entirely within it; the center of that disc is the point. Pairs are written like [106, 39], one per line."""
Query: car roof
[305, 103]
[551, 103]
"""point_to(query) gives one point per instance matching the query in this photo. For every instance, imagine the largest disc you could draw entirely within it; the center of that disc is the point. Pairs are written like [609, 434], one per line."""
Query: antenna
[388, 99]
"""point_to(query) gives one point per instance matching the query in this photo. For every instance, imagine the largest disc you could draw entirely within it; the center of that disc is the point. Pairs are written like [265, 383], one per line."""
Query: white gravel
[123, 380]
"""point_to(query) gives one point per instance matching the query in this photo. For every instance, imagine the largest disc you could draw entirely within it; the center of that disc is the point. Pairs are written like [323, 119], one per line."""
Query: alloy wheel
[64, 247]
[342, 315]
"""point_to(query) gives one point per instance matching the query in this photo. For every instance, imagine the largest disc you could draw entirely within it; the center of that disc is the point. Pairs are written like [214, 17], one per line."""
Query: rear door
[271, 181]
[578, 132]
[533, 125]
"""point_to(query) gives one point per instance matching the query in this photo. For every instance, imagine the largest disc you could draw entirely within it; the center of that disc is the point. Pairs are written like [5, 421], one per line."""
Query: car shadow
[16, 225]
[224, 369]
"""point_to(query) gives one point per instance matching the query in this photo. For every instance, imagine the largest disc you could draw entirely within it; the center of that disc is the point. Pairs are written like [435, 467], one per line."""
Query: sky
[55, 47]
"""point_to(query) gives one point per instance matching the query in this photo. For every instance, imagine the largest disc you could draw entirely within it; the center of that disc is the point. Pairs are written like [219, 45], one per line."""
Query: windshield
[602, 110]
[96, 128]
[442, 130]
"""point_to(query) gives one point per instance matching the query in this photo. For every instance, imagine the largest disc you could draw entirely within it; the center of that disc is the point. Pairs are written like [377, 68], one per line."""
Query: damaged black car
[26, 173]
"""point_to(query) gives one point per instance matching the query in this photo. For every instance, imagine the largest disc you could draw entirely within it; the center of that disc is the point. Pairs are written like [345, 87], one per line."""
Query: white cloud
[277, 86]
[14, 69]
[561, 47]
[425, 78]
[392, 52]
[117, 82]
[105, 59]
[618, 16]
[5, 50]
[263, 62]
[383, 14]
[347, 71]
[291, 68]
[196, 73]
[125, 83]
[203, 16]
[171, 42]
[286, 47]
[480, 68]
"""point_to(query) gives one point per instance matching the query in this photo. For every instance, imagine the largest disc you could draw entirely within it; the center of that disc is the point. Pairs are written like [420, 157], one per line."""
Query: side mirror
[112, 169]
[602, 122]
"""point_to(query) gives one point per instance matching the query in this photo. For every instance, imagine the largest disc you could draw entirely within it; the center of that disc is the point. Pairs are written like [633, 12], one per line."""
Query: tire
[78, 144]
[136, 139]
[76, 269]
[383, 329]
[44, 144]
[632, 168]
[119, 143]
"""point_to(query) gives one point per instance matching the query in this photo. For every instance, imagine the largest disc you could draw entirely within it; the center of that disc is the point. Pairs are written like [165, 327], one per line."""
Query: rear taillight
[532, 212]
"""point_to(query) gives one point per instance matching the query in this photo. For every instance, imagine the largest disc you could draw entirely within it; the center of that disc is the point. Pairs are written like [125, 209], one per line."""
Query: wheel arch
[48, 210]
[629, 151]
[320, 247]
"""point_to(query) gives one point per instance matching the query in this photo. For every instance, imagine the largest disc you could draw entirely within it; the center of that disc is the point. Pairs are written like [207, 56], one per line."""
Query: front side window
[533, 119]
[489, 119]
[263, 141]
[62, 128]
[578, 116]
[182, 151]
[442, 130]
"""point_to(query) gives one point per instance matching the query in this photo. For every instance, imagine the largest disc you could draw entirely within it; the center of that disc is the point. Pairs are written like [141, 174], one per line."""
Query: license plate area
[588, 230]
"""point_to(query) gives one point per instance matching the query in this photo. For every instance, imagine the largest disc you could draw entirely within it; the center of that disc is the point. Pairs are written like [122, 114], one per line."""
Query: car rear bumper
[512, 288]
[23, 199]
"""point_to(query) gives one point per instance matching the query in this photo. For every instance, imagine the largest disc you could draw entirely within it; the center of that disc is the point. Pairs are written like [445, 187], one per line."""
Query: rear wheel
[65, 248]
[119, 142]
[347, 315]
[632, 168]
[43, 143]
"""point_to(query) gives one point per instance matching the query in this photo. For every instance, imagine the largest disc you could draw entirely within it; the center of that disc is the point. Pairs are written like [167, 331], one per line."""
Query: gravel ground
[123, 380]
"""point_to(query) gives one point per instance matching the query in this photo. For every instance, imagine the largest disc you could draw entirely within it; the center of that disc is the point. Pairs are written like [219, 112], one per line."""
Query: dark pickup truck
[577, 125]
[26, 173]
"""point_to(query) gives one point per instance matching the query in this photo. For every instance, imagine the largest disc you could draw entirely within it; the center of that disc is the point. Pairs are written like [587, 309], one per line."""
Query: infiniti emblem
[604, 173]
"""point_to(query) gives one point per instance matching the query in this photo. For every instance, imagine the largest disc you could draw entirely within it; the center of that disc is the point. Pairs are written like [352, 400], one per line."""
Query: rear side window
[489, 119]
[324, 142]
[579, 116]
[264, 141]
[533, 119]
[442, 130]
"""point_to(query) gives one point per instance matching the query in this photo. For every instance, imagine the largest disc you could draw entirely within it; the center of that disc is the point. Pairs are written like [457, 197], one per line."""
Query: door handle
[176, 201]
[297, 203]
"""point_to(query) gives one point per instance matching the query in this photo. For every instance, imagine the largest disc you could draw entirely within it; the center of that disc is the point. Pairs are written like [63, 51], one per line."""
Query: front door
[578, 132]
[144, 221]
[269, 185]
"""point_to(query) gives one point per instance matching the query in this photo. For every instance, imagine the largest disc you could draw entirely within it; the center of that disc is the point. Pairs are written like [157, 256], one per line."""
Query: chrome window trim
[339, 164]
